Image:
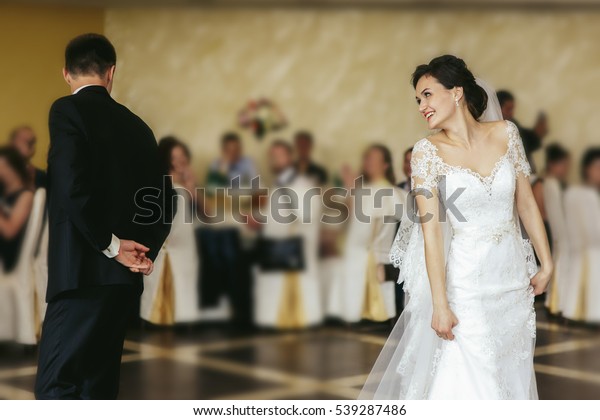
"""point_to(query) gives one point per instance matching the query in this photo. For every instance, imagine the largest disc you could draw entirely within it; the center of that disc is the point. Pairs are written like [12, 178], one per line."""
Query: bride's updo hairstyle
[452, 71]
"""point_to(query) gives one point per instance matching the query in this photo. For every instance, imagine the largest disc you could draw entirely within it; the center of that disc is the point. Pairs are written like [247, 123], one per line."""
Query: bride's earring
[456, 101]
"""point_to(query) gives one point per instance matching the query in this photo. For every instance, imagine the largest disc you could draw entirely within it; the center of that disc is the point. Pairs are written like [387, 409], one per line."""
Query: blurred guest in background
[176, 158]
[231, 164]
[406, 170]
[532, 138]
[363, 288]
[281, 163]
[590, 168]
[287, 292]
[170, 291]
[589, 211]
[303, 142]
[582, 210]
[23, 139]
[404, 187]
[225, 270]
[558, 163]
[15, 205]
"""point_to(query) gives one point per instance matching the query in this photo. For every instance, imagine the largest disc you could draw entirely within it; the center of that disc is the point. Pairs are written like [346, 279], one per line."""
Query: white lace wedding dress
[488, 269]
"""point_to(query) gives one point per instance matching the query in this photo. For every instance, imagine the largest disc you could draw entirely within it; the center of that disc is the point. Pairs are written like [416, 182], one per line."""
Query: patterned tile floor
[331, 362]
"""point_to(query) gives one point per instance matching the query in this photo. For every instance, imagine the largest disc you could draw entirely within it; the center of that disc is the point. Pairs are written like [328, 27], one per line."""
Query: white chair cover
[329, 269]
[17, 288]
[346, 299]
[554, 204]
[181, 248]
[591, 216]
[274, 290]
[580, 301]
[40, 271]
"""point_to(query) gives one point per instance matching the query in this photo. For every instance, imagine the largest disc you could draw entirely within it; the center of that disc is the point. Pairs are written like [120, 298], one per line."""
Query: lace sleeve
[518, 156]
[422, 165]
[424, 176]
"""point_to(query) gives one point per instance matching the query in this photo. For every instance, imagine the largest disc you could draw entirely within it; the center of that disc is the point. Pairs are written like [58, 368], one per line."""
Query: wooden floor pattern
[219, 361]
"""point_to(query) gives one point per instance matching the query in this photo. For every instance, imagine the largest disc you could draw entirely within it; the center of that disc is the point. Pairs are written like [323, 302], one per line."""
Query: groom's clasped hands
[133, 256]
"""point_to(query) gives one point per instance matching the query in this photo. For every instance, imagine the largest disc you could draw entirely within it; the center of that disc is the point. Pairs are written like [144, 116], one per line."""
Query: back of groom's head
[89, 54]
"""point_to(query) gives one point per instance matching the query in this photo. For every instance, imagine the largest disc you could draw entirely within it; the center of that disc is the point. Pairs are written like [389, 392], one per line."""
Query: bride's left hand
[541, 280]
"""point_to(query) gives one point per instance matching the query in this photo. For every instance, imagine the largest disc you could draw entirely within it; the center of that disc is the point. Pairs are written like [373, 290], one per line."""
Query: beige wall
[32, 42]
[345, 74]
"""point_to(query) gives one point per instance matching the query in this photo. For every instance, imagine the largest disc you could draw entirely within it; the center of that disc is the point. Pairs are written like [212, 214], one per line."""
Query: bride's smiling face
[436, 103]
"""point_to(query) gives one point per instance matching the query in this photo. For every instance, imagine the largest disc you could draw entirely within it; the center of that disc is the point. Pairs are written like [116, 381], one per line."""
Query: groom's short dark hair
[89, 54]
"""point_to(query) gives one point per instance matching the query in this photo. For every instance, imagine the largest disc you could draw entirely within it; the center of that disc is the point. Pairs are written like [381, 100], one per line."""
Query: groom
[110, 208]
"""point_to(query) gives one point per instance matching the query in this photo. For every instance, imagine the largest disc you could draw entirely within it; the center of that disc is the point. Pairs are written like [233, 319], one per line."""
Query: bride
[468, 328]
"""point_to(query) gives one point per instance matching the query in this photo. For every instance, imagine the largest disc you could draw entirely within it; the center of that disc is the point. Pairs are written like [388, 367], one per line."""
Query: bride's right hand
[443, 321]
[541, 280]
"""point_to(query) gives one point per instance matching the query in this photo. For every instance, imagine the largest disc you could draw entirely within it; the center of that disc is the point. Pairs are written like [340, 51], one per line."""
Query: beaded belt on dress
[493, 232]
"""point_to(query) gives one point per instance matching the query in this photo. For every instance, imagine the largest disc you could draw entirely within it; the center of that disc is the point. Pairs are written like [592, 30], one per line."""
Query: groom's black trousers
[82, 342]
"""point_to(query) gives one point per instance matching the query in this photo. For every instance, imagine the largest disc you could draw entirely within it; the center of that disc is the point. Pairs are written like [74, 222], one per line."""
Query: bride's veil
[493, 110]
[405, 366]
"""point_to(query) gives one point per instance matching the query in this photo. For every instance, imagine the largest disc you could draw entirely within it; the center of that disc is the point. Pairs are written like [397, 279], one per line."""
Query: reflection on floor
[331, 362]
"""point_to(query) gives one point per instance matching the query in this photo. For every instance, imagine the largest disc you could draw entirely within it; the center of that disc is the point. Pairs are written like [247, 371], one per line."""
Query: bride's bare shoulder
[496, 130]
[494, 124]
[436, 138]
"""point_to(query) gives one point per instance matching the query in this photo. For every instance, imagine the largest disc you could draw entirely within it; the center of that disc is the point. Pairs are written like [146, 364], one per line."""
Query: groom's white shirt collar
[81, 87]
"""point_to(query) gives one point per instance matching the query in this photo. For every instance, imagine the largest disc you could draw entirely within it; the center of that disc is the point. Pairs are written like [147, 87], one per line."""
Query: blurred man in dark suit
[110, 207]
[532, 137]
[303, 142]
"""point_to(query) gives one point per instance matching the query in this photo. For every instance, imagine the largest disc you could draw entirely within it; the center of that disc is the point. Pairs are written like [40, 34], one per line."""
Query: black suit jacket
[104, 178]
[40, 179]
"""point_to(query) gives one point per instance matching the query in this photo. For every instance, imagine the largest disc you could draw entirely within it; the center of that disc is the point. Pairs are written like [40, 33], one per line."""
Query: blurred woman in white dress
[468, 329]
[171, 291]
[558, 166]
[582, 212]
[590, 168]
[360, 289]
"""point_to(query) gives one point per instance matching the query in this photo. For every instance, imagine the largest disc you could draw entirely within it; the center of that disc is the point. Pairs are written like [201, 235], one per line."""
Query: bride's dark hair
[452, 71]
